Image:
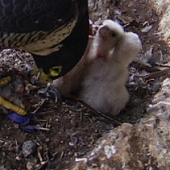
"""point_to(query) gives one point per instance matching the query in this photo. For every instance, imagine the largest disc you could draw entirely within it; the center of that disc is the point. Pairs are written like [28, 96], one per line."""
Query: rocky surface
[163, 9]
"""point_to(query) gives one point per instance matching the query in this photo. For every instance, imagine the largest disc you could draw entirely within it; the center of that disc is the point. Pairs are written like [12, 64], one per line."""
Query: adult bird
[55, 32]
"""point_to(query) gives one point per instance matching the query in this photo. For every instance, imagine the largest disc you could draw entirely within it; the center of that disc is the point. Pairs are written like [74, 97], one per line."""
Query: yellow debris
[5, 81]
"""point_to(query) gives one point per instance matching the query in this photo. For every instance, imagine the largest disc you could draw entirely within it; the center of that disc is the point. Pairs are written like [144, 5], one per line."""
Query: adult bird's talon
[10, 106]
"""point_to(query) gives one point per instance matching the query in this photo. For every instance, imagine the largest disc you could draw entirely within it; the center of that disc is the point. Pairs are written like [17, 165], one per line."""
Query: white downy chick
[106, 38]
[103, 85]
[107, 34]
[100, 77]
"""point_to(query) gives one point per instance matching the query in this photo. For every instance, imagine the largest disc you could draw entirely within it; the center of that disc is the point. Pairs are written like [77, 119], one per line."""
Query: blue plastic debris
[24, 122]
[29, 128]
[33, 128]
[19, 119]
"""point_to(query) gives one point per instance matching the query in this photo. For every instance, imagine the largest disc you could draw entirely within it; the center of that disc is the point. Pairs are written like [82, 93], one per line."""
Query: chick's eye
[113, 35]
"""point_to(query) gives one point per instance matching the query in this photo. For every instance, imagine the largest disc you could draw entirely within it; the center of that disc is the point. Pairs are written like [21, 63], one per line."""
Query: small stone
[28, 148]
[17, 158]
[2, 168]
[31, 164]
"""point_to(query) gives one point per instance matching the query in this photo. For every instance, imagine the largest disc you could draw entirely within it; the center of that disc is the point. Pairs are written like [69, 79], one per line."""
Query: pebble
[28, 148]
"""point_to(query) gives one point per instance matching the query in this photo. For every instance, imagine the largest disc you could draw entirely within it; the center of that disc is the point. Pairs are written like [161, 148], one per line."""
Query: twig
[158, 74]
[38, 105]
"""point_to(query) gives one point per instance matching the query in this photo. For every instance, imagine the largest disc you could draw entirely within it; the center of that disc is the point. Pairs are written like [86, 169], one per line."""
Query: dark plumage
[55, 32]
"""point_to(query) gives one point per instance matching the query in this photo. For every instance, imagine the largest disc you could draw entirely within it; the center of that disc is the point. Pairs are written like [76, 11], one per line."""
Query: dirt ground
[70, 129]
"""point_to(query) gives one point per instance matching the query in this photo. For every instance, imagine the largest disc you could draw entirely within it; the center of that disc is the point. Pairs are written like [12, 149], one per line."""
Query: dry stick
[94, 110]
[39, 105]
[162, 65]
[39, 153]
[158, 74]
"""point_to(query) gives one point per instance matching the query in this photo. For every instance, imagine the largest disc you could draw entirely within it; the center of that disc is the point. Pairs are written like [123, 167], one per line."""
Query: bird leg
[10, 106]
[38, 105]
[7, 104]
